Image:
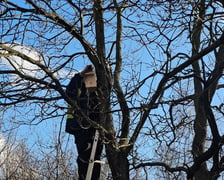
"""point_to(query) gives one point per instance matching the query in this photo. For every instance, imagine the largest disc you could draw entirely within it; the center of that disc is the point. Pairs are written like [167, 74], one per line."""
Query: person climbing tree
[87, 99]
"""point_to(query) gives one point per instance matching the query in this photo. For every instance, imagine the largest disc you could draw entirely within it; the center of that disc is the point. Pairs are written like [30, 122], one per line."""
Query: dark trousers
[84, 140]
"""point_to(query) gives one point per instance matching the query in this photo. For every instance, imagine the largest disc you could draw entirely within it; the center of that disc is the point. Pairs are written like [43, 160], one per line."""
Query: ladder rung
[100, 162]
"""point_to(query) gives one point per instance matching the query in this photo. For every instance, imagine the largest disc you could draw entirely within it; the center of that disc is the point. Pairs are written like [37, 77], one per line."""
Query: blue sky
[140, 63]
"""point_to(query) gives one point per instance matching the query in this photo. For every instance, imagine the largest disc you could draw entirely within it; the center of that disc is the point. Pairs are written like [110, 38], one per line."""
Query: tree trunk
[118, 162]
[200, 124]
[117, 158]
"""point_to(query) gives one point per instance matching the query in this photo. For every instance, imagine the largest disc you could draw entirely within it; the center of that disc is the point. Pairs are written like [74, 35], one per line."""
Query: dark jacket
[88, 103]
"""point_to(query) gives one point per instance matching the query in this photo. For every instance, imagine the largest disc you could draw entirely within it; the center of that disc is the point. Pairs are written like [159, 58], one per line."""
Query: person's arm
[73, 87]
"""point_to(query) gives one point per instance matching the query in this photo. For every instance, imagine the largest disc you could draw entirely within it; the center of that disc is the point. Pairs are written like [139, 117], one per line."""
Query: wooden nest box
[90, 80]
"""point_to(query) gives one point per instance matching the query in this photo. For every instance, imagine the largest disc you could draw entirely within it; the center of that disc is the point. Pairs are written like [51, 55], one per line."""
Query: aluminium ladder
[92, 157]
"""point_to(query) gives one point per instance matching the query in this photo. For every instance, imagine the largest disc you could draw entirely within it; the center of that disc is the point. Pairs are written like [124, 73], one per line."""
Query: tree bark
[118, 163]
[116, 157]
[200, 123]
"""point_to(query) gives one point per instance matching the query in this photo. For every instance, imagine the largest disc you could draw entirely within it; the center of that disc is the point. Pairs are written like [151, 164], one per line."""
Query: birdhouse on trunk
[90, 81]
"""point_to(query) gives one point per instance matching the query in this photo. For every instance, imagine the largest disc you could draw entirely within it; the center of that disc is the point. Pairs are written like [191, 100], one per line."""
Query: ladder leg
[92, 156]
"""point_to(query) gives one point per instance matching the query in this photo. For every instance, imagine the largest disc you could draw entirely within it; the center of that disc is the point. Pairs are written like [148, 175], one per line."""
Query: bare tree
[159, 67]
[54, 161]
[16, 161]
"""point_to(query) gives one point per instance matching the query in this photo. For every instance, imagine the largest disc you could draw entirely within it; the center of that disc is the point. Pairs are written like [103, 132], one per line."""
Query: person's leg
[82, 168]
[84, 140]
